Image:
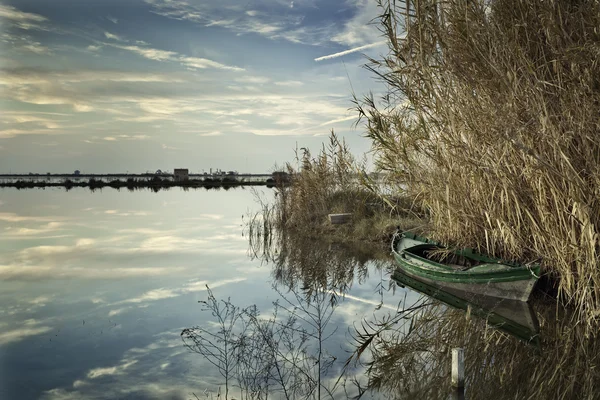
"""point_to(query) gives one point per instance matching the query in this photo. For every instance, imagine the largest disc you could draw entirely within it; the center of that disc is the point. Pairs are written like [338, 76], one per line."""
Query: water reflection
[513, 350]
[96, 289]
[408, 355]
[313, 263]
[511, 316]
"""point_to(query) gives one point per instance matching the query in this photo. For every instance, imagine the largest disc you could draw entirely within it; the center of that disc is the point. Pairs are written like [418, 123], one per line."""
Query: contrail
[354, 50]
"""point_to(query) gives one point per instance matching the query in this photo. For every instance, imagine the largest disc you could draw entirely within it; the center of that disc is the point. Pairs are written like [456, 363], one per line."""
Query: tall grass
[491, 122]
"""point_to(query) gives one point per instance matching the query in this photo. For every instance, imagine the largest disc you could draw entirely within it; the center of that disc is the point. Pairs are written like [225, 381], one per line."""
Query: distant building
[181, 174]
[281, 177]
[77, 172]
[158, 172]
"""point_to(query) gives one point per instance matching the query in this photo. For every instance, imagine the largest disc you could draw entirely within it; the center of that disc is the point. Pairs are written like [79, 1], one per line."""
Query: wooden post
[458, 368]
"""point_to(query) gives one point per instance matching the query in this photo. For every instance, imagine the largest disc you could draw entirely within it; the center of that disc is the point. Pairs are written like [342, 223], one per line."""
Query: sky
[139, 85]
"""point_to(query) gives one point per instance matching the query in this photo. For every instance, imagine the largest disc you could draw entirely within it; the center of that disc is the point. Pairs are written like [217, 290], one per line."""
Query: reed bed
[491, 123]
[331, 182]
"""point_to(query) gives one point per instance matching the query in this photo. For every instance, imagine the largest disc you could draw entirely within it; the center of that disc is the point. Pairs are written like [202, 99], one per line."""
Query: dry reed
[491, 122]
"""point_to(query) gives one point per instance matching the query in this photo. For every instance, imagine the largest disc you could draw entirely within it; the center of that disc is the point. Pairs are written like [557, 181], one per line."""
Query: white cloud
[46, 272]
[136, 374]
[50, 227]
[37, 48]
[253, 79]
[19, 334]
[149, 53]
[152, 295]
[360, 29]
[112, 36]
[14, 14]
[117, 311]
[202, 63]
[211, 133]
[289, 83]
[166, 293]
[12, 217]
[166, 55]
[282, 22]
[115, 370]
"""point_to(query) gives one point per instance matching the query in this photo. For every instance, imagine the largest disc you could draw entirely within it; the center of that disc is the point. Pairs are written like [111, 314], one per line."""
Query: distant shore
[155, 183]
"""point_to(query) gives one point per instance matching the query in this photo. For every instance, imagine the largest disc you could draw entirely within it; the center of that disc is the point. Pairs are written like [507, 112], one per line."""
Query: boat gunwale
[511, 275]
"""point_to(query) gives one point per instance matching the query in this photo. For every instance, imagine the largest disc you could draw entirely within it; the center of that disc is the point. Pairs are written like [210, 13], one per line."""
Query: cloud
[289, 83]
[12, 217]
[115, 370]
[360, 29]
[202, 63]
[350, 51]
[50, 227]
[166, 293]
[166, 55]
[112, 36]
[149, 53]
[142, 372]
[117, 311]
[28, 328]
[253, 79]
[152, 295]
[112, 19]
[11, 13]
[48, 272]
[32, 76]
[211, 133]
[125, 137]
[281, 22]
[37, 48]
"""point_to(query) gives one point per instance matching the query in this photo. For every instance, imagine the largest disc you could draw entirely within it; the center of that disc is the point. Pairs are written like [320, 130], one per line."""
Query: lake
[96, 289]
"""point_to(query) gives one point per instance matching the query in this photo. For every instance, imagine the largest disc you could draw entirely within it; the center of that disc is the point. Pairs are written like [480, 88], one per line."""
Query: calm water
[96, 288]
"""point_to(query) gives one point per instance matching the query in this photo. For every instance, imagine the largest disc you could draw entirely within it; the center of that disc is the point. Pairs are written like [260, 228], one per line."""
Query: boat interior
[444, 256]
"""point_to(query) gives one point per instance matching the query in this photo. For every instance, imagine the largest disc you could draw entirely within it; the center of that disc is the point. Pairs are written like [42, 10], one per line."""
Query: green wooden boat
[510, 316]
[464, 270]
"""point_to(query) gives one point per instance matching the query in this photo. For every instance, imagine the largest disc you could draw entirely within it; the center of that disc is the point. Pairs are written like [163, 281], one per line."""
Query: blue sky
[136, 85]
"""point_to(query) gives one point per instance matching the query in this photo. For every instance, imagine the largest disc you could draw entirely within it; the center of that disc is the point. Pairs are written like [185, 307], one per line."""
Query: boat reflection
[511, 316]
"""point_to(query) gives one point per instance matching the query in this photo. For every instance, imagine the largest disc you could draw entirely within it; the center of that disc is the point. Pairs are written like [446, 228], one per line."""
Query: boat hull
[492, 277]
[513, 290]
